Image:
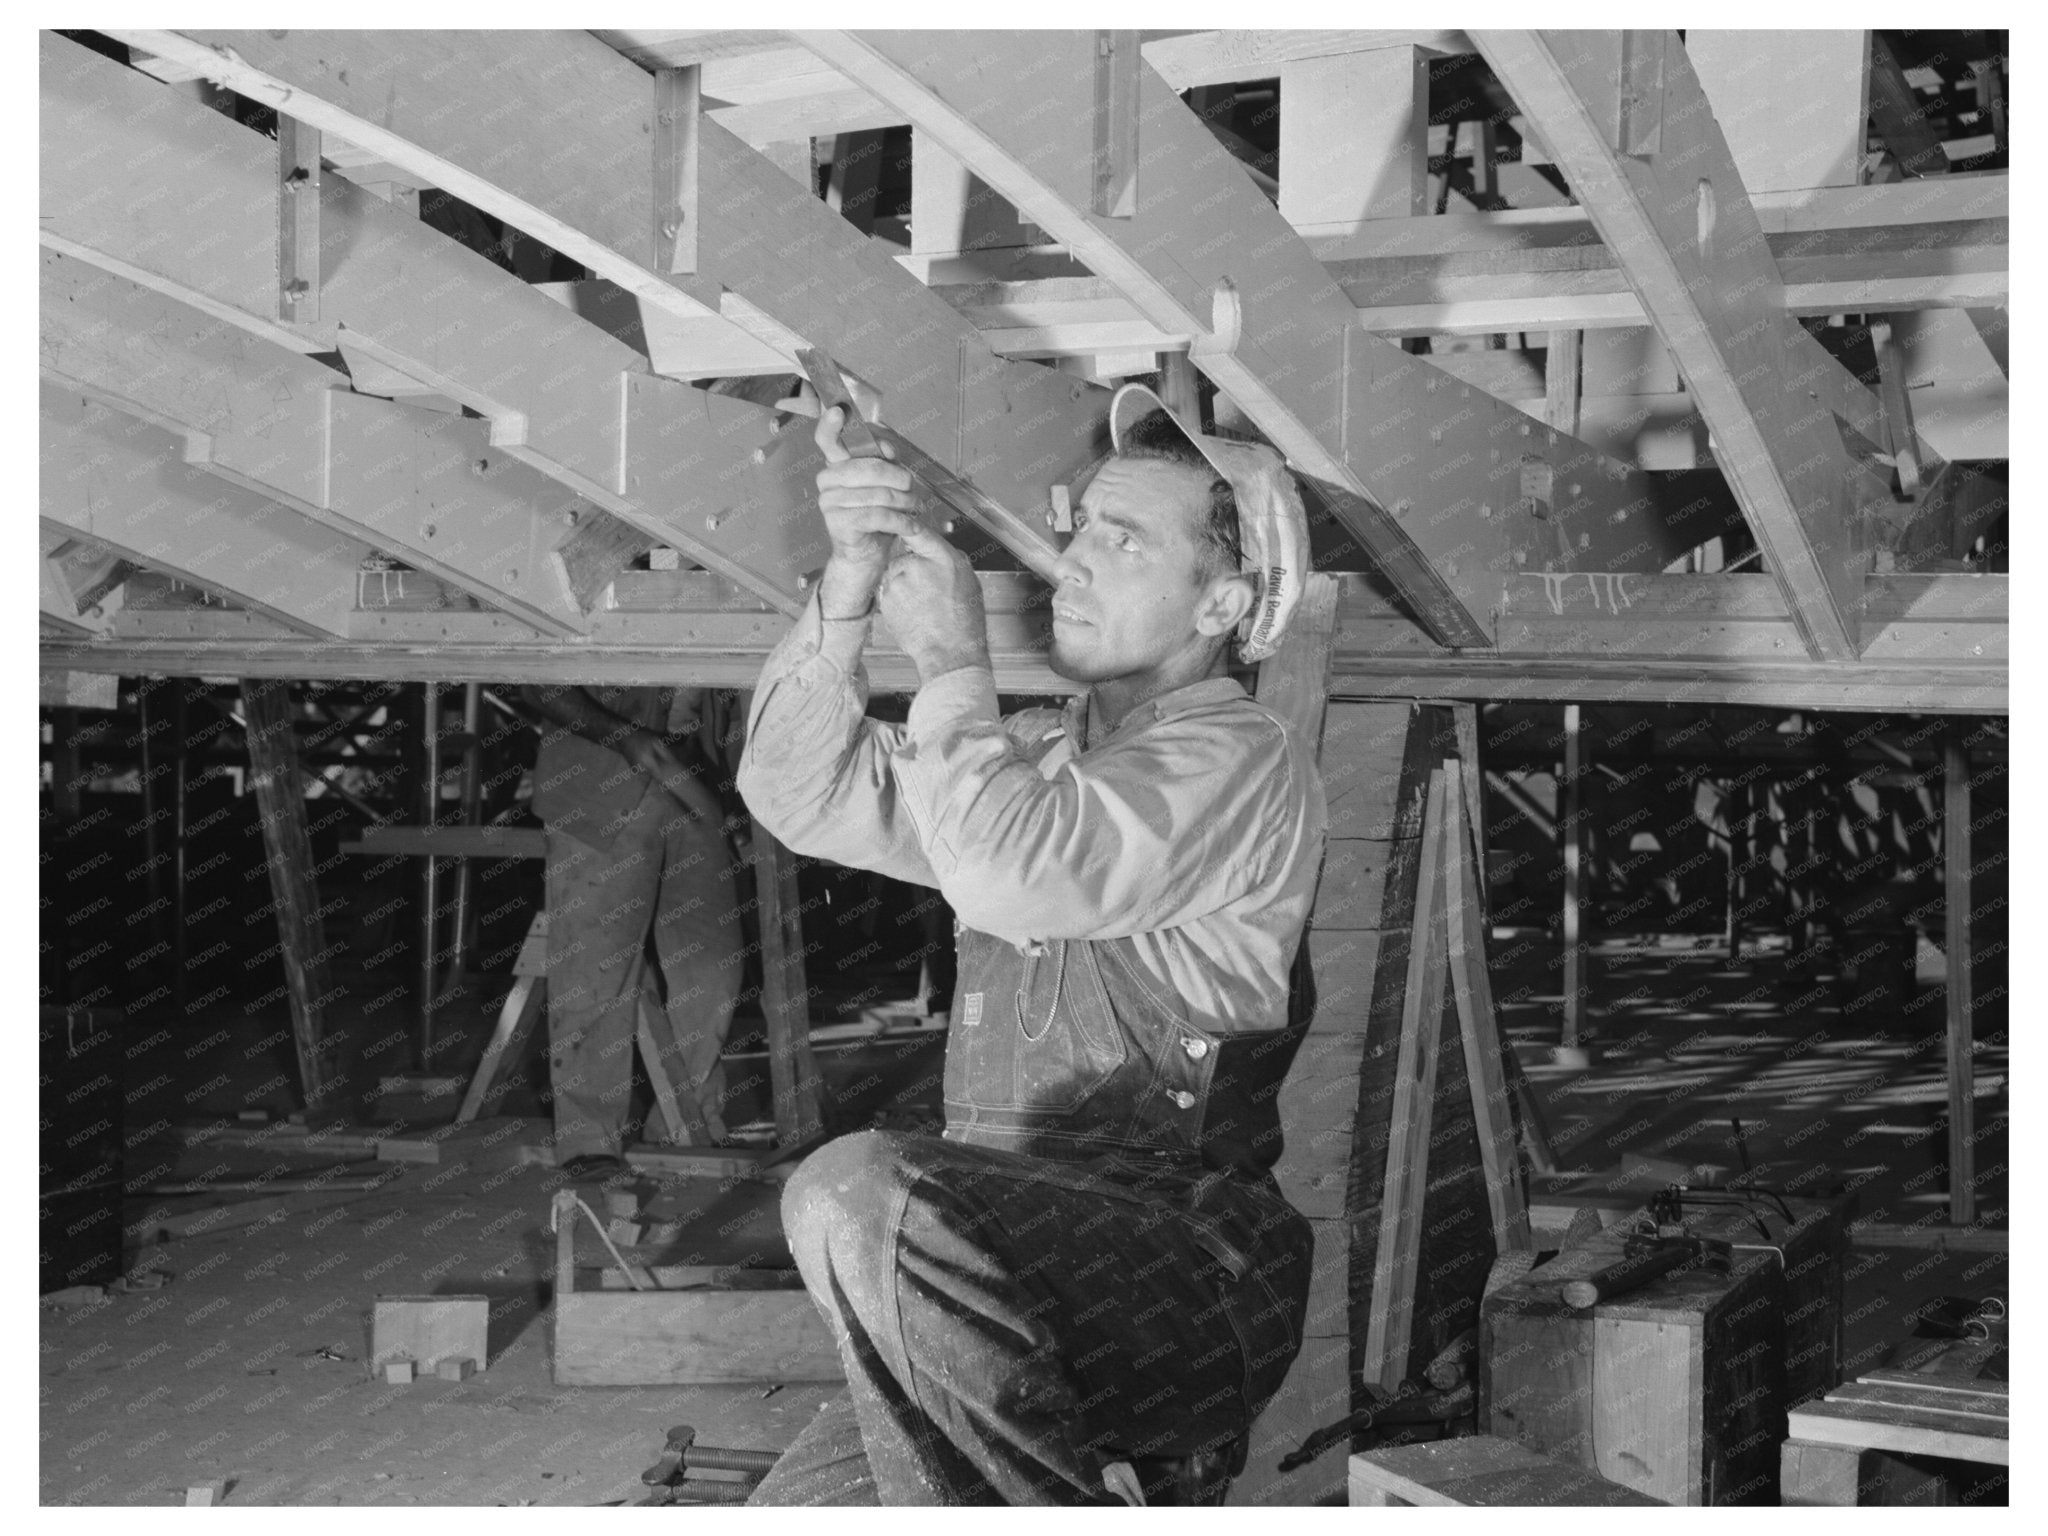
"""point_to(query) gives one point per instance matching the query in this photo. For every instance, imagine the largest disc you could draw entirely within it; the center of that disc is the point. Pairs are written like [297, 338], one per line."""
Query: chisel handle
[1630, 1274]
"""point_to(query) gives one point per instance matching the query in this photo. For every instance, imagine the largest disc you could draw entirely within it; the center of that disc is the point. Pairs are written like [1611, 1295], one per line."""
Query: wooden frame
[1628, 122]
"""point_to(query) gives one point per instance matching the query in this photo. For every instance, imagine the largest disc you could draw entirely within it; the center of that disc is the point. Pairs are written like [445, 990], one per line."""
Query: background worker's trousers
[1009, 1325]
[667, 878]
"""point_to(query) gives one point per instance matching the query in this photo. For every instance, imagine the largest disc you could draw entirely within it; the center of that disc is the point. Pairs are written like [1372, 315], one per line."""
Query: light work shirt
[1194, 830]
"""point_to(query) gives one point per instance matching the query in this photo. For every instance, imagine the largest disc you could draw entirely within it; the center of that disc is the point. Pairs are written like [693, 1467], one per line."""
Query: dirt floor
[248, 1364]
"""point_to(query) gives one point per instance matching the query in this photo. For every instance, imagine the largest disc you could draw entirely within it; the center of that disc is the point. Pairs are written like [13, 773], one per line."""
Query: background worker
[641, 902]
[1093, 1267]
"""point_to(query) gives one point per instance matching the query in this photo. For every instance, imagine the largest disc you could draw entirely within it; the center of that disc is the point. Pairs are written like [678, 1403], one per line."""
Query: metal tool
[670, 1478]
[1645, 1259]
[944, 491]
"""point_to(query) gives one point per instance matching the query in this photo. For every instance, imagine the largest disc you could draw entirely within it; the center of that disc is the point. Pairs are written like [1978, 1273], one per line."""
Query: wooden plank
[425, 307]
[1794, 104]
[1396, 1258]
[1961, 1035]
[429, 1329]
[421, 485]
[1884, 1428]
[1354, 138]
[451, 842]
[678, 103]
[123, 483]
[680, 1112]
[1682, 223]
[1905, 1390]
[1571, 834]
[1518, 276]
[556, 178]
[288, 855]
[1465, 931]
[1219, 57]
[1928, 1381]
[1479, 1470]
[1318, 396]
[691, 1338]
[784, 995]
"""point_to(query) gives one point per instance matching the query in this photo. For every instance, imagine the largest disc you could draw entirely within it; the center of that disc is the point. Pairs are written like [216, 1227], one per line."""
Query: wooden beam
[1939, 643]
[1957, 889]
[258, 66]
[785, 998]
[1210, 260]
[123, 483]
[426, 487]
[1655, 174]
[1571, 833]
[288, 855]
[678, 106]
[1220, 57]
[139, 181]
[1354, 137]
[558, 171]
[1395, 1259]
[1794, 104]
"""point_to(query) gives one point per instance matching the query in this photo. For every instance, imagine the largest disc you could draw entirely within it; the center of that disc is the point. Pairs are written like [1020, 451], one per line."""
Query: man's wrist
[936, 664]
[847, 589]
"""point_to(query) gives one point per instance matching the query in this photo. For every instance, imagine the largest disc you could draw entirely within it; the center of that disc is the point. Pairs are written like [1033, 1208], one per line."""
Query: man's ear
[1224, 605]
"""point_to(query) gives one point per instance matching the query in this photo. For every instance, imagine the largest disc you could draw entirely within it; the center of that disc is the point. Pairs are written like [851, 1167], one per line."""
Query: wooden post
[1569, 830]
[472, 805]
[1179, 387]
[430, 874]
[784, 995]
[180, 903]
[288, 853]
[1962, 1096]
[1731, 819]
[1396, 1260]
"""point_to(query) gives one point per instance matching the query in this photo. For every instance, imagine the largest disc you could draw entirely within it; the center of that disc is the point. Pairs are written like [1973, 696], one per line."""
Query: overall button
[1183, 1098]
[1196, 1049]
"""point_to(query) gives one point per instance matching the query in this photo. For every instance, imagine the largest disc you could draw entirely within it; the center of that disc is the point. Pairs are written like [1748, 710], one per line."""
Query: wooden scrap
[429, 1329]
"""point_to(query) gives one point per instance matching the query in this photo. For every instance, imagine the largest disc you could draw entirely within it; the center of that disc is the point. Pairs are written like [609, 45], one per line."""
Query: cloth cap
[1272, 526]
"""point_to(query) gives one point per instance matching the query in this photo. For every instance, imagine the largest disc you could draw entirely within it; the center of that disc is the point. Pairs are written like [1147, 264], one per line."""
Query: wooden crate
[700, 1336]
[1678, 1390]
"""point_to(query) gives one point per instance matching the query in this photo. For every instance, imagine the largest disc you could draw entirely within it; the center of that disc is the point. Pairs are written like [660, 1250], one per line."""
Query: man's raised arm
[817, 772]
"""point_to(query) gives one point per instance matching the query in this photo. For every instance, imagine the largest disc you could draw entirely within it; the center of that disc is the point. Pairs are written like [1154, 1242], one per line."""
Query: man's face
[1127, 602]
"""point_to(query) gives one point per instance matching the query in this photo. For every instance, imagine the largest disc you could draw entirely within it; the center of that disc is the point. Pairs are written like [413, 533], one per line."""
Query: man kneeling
[1094, 1265]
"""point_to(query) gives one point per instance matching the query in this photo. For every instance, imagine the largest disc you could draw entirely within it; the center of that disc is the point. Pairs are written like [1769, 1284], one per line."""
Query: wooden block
[1479, 1470]
[1676, 1389]
[626, 1234]
[622, 1203]
[455, 1368]
[399, 1373]
[429, 1329]
[204, 1495]
[708, 1162]
[691, 1338]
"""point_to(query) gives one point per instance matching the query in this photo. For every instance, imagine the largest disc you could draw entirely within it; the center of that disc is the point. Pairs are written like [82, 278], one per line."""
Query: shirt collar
[1176, 701]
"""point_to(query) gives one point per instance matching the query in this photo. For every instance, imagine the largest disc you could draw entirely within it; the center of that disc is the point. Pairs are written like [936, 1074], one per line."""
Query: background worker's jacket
[1130, 912]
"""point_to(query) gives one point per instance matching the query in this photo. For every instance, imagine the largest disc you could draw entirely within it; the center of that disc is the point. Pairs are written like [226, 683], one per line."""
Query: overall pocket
[1029, 1032]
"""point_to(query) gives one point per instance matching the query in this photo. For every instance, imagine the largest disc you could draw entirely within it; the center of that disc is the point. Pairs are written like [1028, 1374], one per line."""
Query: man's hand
[655, 758]
[933, 605]
[866, 503]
